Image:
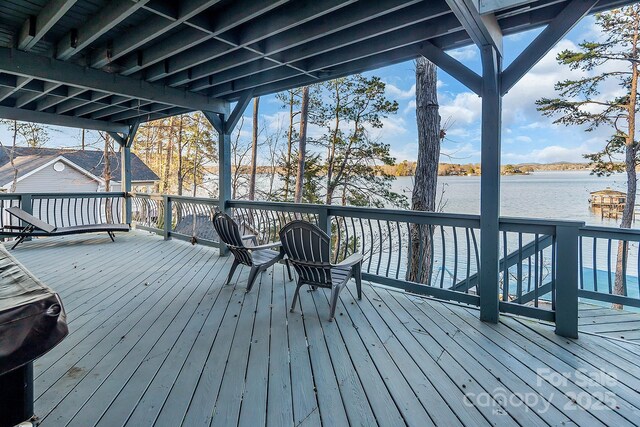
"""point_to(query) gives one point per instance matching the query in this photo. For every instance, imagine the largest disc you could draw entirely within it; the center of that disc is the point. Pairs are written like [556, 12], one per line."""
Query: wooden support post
[224, 171]
[224, 125]
[125, 170]
[125, 161]
[224, 165]
[566, 303]
[490, 185]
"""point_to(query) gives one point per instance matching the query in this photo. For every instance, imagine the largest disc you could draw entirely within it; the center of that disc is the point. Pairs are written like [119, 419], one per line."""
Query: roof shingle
[29, 158]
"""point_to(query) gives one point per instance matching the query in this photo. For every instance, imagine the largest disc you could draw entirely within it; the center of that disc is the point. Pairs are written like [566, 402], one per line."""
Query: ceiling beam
[298, 13]
[35, 66]
[541, 45]
[113, 13]
[271, 23]
[453, 67]
[161, 115]
[235, 14]
[326, 25]
[324, 63]
[491, 6]
[84, 99]
[127, 115]
[367, 30]
[238, 111]
[51, 101]
[483, 29]
[361, 65]
[152, 28]
[35, 27]
[20, 83]
[93, 107]
[59, 120]
[27, 98]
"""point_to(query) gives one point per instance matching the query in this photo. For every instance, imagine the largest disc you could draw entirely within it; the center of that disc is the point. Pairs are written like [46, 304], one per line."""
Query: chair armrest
[351, 260]
[266, 246]
[251, 237]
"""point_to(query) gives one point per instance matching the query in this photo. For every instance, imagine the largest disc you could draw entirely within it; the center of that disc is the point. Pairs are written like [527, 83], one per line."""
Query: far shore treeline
[407, 168]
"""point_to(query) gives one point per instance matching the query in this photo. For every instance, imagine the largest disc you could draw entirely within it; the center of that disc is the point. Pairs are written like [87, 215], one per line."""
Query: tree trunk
[426, 176]
[180, 172]
[631, 151]
[254, 150]
[167, 166]
[106, 175]
[195, 172]
[331, 185]
[14, 181]
[302, 147]
[287, 175]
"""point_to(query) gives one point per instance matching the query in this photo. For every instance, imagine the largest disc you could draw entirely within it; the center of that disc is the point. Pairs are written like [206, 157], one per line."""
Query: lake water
[552, 195]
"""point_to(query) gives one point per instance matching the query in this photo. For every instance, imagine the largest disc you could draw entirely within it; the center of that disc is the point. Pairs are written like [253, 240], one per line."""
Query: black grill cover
[32, 319]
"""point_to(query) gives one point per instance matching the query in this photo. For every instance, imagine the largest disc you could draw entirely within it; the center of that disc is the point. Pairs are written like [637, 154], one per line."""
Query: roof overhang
[101, 64]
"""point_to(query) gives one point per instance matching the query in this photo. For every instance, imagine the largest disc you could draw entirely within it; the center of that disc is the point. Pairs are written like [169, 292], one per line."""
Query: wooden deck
[156, 339]
[603, 320]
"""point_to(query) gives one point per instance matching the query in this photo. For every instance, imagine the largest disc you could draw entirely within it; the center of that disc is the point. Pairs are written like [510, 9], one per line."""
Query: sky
[527, 136]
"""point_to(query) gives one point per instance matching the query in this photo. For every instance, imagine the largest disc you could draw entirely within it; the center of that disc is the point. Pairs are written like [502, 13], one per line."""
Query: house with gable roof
[53, 170]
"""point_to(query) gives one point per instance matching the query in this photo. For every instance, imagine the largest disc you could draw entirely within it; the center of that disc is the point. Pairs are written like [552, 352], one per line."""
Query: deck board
[156, 338]
[607, 321]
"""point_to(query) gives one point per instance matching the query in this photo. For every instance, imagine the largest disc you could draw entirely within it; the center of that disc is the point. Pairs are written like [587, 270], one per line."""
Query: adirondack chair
[258, 257]
[307, 247]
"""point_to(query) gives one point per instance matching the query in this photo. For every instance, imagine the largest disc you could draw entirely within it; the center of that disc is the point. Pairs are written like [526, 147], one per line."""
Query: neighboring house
[49, 170]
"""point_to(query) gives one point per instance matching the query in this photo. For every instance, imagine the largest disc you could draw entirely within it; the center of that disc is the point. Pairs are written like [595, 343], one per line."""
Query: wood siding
[48, 180]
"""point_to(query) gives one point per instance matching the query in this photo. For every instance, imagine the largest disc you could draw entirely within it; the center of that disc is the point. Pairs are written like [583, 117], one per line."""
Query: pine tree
[353, 106]
[580, 102]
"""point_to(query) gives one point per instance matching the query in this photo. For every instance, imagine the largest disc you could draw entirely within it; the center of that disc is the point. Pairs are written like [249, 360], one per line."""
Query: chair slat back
[229, 233]
[308, 248]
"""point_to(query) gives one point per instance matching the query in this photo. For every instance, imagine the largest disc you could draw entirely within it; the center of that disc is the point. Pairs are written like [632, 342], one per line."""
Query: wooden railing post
[324, 220]
[167, 217]
[566, 309]
[26, 203]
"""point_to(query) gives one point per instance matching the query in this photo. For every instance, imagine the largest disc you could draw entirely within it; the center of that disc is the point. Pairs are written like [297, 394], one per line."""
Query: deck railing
[545, 266]
[609, 257]
[64, 209]
[426, 253]
[181, 217]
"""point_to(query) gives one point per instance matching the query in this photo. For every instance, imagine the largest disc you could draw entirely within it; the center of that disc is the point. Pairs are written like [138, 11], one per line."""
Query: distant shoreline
[407, 168]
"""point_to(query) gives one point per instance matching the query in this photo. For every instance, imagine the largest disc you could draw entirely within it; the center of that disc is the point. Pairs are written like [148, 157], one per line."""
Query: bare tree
[426, 177]
[254, 150]
[302, 147]
[12, 154]
[167, 166]
[181, 170]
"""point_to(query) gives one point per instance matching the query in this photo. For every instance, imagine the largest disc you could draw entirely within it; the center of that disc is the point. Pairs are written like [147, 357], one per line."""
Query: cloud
[554, 153]
[394, 92]
[463, 109]
[411, 106]
[523, 138]
[464, 53]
